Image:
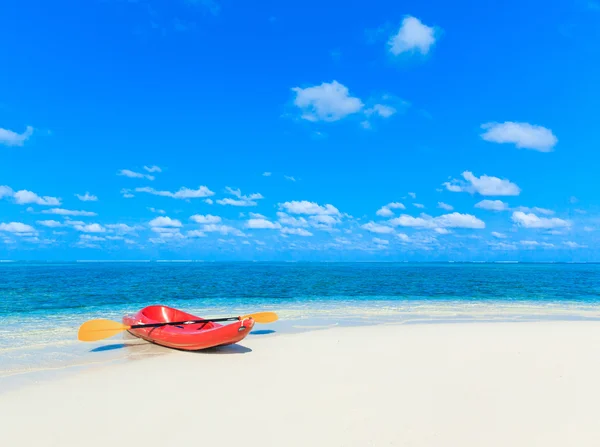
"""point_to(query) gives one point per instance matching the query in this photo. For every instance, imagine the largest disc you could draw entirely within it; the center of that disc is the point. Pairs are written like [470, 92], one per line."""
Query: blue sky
[300, 131]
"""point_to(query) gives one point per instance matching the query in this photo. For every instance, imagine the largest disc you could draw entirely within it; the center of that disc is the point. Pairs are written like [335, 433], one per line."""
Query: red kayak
[189, 337]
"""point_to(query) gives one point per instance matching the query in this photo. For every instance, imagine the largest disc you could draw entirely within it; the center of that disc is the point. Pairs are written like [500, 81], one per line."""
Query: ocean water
[43, 304]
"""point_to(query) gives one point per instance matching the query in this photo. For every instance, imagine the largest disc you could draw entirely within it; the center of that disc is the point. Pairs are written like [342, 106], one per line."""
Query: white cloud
[502, 246]
[262, 224]
[196, 233]
[5, 191]
[207, 219]
[290, 178]
[152, 168]
[305, 207]
[17, 228]
[409, 221]
[223, 229]
[326, 102]
[445, 206]
[536, 210]
[386, 211]
[209, 201]
[403, 237]
[530, 220]
[90, 237]
[413, 36]
[498, 235]
[166, 235]
[87, 197]
[484, 185]
[122, 228]
[374, 227]
[50, 223]
[492, 205]
[90, 228]
[237, 193]
[453, 187]
[164, 221]
[571, 244]
[166, 230]
[73, 222]
[133, 174]
[452, 220]
[380, 241]
[236, 202]
[419, 205]
[589, 229]
[183, 193]
[323, 220]
[291, 221]
[127, 193]
[523, 135]
[64, 212]
[24, 197]
[155, 210]
[296, 231]
[532, 244]
[242, 200]
[382, 110]
[266, 174]
[412, 194]
[113, 238]
[343, 241]
[458, 220]
[10, 138]
[385, 111]
[441, 230]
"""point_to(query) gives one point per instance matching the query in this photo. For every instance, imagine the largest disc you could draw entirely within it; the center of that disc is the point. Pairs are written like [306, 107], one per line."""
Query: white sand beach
[464, 384]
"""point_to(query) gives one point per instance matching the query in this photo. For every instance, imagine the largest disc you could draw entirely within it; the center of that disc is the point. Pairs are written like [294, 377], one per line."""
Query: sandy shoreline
[34, 347]
[474, 384]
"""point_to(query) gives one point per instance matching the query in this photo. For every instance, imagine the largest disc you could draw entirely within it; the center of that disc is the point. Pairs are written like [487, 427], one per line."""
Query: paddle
[99, 329]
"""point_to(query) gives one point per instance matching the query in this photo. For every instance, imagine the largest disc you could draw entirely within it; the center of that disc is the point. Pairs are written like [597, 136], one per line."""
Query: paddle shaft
[141, 326]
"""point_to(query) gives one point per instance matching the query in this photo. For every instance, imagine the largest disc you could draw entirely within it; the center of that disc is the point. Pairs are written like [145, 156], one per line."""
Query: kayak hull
[188, 337]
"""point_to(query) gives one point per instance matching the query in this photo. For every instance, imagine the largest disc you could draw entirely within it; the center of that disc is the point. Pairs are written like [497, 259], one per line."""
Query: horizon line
[182, 261]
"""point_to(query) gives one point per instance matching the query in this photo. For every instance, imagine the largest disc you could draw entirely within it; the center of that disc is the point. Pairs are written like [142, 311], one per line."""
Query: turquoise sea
[43, 304]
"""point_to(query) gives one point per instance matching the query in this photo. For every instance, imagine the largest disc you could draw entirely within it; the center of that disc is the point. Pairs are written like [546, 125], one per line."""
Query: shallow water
[42, 305]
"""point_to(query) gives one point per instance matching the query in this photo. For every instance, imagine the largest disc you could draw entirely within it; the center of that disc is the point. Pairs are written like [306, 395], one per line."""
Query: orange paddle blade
[99, 329]
[263, 317]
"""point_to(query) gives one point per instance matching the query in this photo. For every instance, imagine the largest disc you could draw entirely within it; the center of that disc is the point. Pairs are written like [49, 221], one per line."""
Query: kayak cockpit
[165, 314]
